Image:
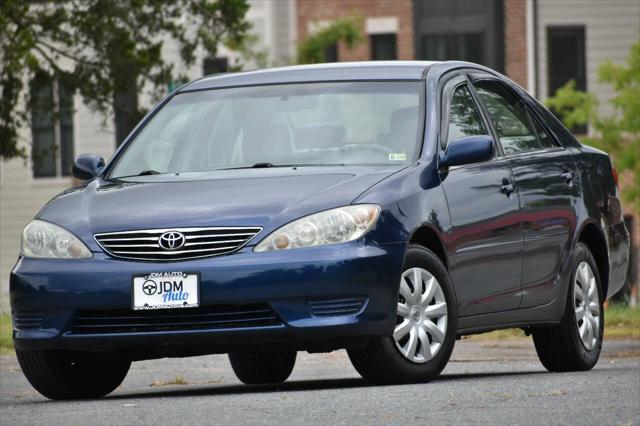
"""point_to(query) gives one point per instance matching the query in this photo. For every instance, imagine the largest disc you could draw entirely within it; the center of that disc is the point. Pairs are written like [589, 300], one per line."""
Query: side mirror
[467, 150]
[87, 166]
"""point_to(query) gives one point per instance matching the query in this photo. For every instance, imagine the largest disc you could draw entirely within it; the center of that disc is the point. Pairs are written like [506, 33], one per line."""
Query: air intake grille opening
[185, 243]
[27, 320]
[337, 307]
[211, 317]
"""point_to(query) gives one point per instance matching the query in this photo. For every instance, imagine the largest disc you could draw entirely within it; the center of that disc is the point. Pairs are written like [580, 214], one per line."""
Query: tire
[262, 367]
[561, 347]
[72, 375]
[386, 360]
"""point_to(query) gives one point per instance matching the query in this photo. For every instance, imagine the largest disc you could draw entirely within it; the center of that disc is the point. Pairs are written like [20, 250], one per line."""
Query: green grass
[622, 322]
[6, 344]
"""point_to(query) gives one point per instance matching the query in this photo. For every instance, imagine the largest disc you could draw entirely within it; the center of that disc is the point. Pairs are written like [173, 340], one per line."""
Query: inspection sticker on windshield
[163, 290]
[398, 156]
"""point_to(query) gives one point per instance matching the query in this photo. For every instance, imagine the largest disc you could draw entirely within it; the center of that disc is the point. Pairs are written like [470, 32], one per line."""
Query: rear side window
[464, 117]
[544, 139]
[509, 118]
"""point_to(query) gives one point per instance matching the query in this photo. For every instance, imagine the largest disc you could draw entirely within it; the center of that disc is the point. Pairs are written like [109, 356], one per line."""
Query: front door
[486, 235]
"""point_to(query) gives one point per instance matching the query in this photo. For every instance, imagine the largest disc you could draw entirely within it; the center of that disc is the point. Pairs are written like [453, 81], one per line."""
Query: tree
[618, 133]
[108, 51]
[347, 30]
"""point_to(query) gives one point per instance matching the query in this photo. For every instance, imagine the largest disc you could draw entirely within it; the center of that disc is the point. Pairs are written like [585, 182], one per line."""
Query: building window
[215, 65]
[331, 53]
[470, 47]
[460, 30]
[566, 61]
[383, 47]
[566, 58]
[436, 47]
[460, 47]
[51, 107]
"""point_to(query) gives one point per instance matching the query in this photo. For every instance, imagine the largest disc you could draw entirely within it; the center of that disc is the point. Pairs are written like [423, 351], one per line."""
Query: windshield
[279, 125]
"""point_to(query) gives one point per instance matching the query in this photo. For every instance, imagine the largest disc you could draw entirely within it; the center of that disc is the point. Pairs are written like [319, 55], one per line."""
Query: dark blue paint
[505, 251]
[467, 150]
[87, 166]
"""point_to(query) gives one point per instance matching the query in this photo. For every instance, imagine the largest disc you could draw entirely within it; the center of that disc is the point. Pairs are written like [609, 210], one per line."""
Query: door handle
[507, 187]
[568, 176]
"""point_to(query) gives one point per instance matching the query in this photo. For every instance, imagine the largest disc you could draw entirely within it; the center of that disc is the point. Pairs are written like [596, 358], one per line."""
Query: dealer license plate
[163, 290]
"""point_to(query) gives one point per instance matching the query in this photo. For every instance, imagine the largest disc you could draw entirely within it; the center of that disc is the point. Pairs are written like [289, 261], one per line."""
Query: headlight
[44, 239]
[329, 227]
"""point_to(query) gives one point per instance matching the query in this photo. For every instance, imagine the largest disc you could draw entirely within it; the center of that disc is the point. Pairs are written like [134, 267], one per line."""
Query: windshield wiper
[259, 166]
[148, 172]
[268, 165]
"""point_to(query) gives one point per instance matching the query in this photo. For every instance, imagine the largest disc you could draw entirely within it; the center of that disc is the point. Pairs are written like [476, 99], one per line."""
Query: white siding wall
[611, 27]
[21, 196]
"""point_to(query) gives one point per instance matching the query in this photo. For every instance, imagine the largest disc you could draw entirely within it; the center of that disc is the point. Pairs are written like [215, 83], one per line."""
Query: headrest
[403, 117]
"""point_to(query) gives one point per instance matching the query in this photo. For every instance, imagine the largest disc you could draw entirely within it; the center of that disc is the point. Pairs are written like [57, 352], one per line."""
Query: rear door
[545, 177]
[486, 236]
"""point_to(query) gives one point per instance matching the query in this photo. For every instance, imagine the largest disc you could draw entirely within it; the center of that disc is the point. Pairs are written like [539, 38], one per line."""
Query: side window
[464, 117]
[544, 139]
[509, 118]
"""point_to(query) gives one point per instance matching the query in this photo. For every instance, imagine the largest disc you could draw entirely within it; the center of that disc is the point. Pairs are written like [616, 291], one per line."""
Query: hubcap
[422, 316]
[587, 305]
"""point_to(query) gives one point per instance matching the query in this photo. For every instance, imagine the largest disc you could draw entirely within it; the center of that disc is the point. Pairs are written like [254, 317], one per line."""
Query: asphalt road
[485, 383]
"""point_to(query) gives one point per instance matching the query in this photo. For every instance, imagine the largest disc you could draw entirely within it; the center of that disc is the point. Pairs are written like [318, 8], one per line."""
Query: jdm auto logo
[171, 240]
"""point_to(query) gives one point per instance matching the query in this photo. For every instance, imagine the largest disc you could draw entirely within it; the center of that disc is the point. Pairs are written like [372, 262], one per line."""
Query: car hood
[250, 197]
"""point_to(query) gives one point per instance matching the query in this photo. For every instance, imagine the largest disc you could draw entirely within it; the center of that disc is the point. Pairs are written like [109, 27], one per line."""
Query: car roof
[339, 71]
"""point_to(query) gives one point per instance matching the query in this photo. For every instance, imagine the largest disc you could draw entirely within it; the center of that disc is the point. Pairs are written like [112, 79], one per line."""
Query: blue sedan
[387, 208]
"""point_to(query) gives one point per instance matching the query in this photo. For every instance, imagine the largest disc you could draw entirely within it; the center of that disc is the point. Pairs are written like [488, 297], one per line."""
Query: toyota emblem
[171, 240]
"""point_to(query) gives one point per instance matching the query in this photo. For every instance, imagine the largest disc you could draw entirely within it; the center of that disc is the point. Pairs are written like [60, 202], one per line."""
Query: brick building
[491, 32]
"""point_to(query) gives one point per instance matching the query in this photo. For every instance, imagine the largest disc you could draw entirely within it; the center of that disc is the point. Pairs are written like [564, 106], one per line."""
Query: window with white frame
[51, 105]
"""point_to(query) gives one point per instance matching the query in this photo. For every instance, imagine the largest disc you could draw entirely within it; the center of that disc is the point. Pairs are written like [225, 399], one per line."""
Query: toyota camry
[384, 208]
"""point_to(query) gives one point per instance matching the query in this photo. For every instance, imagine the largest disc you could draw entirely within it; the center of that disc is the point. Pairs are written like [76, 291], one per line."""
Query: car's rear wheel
[255, 368]
[575, 343]
[425, 330]
[72, 375]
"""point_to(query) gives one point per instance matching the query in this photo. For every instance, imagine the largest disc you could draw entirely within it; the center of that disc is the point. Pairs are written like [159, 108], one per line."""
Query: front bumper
[50, 293]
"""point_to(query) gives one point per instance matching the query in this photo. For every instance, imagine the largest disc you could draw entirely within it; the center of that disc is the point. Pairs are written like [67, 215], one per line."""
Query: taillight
[614, 172]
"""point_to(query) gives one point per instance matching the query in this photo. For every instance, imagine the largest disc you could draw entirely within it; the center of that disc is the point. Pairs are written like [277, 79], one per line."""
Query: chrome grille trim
[199, 243]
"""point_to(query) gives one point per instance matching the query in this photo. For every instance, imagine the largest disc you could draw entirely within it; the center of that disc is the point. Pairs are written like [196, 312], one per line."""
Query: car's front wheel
[426, 325]
[72, 375]
[255, 368]
[575, 343]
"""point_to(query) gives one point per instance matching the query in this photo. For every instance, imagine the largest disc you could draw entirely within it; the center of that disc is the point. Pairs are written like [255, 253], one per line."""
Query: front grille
[211, 317]
[337, 307]
[27, 320]
[198, 242]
